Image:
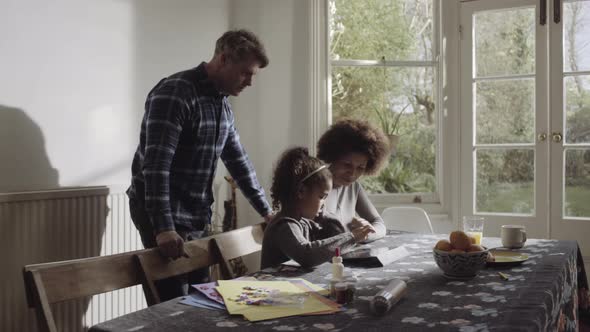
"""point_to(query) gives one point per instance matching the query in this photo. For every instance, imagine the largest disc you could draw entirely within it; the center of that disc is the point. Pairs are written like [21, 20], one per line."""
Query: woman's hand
[361, 233]
[358, 222]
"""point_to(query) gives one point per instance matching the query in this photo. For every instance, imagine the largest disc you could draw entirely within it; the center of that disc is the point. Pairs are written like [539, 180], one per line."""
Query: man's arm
[163, 124]
[239, 166]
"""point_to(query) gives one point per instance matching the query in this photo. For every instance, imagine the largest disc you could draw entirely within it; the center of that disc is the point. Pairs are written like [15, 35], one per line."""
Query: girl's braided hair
[292, 167]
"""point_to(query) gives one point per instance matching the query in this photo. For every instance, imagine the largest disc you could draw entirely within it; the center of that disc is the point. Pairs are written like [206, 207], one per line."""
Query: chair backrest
[49, 283]
[156, 267]
[406, 218]
[232, 245]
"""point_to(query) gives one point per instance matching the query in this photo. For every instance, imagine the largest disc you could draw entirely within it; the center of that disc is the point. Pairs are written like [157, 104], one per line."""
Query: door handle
[542, 137]
[543, 12]
[556, 137]
[556, 11]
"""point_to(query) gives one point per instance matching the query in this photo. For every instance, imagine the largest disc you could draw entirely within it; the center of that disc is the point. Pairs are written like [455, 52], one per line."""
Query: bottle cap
[340, 286]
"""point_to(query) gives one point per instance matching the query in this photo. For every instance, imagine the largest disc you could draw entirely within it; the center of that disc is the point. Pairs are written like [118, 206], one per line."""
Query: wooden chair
[233, 245]
[49, 283]
[155, 267]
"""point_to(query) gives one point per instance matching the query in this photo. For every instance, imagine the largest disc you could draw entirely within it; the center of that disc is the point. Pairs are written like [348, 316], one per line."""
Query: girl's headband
[314, 172]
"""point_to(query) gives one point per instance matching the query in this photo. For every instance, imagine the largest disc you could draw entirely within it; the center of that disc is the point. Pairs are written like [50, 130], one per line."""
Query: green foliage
[389, 120]
[505, 198]
[398, 99]
[576, 200]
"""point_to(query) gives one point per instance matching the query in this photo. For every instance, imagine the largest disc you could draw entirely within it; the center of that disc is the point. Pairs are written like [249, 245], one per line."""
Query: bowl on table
[460, 265]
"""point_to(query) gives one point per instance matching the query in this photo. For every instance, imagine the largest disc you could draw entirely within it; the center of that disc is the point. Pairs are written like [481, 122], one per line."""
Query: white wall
[73, 78]
[273, 114]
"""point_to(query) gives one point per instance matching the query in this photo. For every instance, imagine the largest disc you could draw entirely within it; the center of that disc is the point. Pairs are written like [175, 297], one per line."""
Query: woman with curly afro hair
[299, 186]
[353, 148]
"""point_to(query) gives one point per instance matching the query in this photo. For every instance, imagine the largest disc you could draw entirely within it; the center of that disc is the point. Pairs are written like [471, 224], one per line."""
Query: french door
[525, 116]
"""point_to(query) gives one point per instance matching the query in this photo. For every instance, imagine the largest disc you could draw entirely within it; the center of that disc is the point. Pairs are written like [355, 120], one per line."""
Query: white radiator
[37, 227]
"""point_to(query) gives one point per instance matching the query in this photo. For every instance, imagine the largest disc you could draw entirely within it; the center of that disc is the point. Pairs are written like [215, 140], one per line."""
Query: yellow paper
[320, 290]
[231, 289]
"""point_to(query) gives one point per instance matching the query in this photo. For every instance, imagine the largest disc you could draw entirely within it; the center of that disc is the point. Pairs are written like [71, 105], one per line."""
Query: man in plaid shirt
[188, 125]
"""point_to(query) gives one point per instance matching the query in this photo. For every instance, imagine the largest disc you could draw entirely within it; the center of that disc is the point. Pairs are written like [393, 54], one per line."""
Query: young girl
[299, 187]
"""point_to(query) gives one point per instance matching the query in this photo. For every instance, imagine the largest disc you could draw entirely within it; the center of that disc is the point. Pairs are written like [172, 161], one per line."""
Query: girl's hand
[361, 233]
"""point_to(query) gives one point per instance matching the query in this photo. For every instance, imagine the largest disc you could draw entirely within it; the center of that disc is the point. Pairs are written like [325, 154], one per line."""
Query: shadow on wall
[38, 229]
[25, 165]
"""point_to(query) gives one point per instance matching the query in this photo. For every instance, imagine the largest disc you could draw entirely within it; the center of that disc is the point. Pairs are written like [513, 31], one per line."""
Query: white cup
[513, 236]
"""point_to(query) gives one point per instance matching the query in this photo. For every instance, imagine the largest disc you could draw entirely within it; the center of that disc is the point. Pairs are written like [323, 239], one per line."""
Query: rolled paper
[388, 297]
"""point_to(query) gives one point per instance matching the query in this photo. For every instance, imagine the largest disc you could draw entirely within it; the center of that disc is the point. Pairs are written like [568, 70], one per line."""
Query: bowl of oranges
[459, 257]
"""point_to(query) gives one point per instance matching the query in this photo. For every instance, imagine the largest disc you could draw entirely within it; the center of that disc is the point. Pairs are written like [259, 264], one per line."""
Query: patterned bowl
[460, 265]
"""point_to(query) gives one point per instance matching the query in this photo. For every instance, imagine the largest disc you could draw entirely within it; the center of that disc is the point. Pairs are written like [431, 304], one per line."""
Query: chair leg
[147, 283]
[45, 320]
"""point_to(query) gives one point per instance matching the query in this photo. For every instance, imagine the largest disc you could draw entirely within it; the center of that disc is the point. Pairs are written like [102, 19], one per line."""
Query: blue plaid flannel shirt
[186, 127]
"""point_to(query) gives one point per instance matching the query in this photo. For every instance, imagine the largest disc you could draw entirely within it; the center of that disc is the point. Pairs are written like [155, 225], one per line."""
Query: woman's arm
[366, 210]
[294, 244]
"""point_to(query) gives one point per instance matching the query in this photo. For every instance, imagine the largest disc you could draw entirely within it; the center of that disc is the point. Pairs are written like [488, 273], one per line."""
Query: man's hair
[294, 169]
[239, 44]
[352, 135]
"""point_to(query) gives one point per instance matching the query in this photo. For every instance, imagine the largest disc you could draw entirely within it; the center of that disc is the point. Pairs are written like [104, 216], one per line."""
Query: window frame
[321, 97]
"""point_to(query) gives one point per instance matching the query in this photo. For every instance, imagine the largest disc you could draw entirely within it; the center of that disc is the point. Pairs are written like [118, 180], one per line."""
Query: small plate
[507, 257]
[452, 277]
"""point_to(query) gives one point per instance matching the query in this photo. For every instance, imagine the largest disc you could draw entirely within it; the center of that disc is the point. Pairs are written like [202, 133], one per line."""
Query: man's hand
[171, 244]
[362, 233]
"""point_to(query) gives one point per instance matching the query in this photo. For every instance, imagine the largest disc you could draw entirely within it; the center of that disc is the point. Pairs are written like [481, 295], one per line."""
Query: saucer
[507, 257]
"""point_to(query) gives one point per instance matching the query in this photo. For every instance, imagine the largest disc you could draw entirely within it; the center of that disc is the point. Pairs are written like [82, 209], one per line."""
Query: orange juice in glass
[477, 236]
[473, 226]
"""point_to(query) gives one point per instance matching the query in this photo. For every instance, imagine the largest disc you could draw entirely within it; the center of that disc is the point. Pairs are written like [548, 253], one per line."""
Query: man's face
[236, 76]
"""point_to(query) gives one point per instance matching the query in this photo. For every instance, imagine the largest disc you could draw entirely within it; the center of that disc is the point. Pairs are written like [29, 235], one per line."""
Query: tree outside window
[384, 67]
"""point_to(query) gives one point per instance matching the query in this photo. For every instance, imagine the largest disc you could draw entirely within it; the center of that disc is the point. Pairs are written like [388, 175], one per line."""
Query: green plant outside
[502, 198]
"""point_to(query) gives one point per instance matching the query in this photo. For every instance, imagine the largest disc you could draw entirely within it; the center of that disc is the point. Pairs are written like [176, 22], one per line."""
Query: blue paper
[201, 301]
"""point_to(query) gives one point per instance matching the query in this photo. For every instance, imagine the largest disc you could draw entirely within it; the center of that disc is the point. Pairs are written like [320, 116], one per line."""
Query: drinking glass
[473, 226]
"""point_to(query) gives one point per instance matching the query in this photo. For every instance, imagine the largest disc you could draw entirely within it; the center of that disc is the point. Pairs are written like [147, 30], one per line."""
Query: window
[384, 67]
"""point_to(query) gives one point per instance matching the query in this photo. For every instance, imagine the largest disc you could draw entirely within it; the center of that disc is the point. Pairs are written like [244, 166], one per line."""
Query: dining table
[548, 291]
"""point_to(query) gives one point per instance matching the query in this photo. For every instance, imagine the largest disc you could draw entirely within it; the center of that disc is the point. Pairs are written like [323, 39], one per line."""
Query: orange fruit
[443, 245]
[460, 240]
[472, 239]
[475, 247]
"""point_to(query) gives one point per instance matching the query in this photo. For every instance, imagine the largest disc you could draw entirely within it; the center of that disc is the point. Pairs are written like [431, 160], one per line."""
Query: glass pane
[372, 29]
[504, 42]
[505, 111]
[393, 97]
[576, 36]
[577, 106]
[505, 181]
[577, 183]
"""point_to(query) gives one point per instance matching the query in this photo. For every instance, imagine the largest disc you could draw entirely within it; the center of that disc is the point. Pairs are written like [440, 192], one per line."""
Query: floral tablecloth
[548, 292]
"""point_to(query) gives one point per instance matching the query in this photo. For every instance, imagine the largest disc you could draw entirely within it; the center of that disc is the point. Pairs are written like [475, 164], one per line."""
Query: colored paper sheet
[201, 301]
[208, 289]
[231, 290]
